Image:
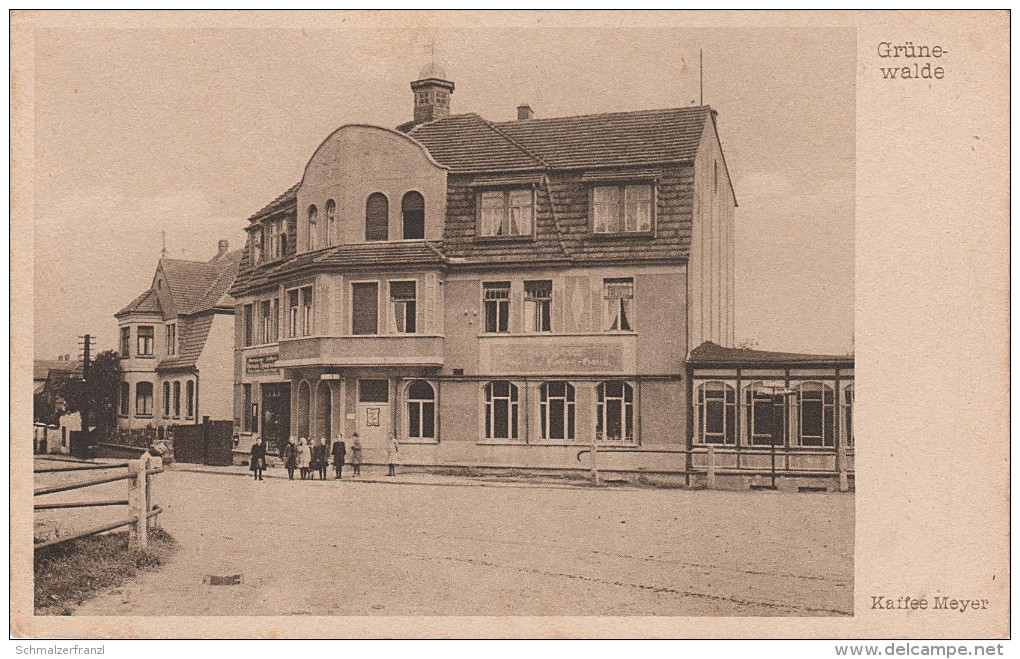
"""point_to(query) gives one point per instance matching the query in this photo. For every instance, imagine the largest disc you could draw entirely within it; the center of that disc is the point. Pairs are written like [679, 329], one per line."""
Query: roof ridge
[515, 122]
[223, 263]
[514, 142]
[449, 116]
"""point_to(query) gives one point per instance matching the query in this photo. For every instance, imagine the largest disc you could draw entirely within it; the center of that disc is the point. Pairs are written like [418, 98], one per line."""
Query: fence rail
[140, 506]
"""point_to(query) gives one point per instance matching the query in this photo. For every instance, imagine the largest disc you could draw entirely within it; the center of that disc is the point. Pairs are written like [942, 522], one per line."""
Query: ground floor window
[501, 410]
[421, 411]
[125, 398]
[614, 411]
[815, 412]
[246, 408]
[848, 414]
[143, 399]
[766, 416]
[166, 400]
[556, 410]
[191, 399]
[717, 409]
[177, 398]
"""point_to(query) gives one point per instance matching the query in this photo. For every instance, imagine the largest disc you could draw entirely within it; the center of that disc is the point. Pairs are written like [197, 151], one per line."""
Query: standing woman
[339, 455]
[321, 456]
[290, 457]
[392, 453]
[356, 454]
[258, 458]
[304, 457]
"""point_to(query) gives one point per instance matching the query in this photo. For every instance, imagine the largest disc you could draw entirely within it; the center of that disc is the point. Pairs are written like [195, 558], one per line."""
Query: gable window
[330, 222]
[258, 245]
[815, 412]
[556, 410]
[538, 306]
[292, 313]
[365, 308]
[146, 337]
[412, 209]
[248, 324]
[618, 294]
[421, 411]
[190, 409]
[506, 212]
[403, 307]
[717, 410]
[171, 339]
[125, 398]
[496, 300]
[313, 228]
[177, 398]
[277, 247]
[143, 399]
[501, 413]
[766, 416]
[377, 217]
[614, 411]
[166, 400]
[306, 311]
[125, 342]
[622, 208]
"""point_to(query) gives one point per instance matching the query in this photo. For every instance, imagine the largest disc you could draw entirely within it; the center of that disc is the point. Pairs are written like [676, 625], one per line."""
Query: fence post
[152, 491]
[138, 540]
[595, 460]
[844, 483]
[710, 476]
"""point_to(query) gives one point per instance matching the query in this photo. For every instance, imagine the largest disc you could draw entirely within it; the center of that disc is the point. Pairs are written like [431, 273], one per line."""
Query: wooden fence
[140, 498]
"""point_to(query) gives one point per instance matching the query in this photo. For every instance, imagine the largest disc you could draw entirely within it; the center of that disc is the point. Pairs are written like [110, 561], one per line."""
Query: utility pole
[86, 344]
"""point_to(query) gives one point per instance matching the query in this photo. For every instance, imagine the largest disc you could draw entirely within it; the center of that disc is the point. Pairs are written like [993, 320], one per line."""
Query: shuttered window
[365, 308]
[377, 211]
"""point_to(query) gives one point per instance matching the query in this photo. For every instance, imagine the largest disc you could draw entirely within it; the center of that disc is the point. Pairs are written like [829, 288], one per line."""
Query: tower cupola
[431, 94]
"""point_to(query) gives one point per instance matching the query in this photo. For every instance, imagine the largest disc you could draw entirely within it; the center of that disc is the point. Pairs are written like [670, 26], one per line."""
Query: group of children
[312, 458]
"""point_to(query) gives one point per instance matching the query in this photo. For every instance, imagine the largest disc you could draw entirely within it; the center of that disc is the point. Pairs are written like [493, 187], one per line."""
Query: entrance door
[374, 418]
[275, 414]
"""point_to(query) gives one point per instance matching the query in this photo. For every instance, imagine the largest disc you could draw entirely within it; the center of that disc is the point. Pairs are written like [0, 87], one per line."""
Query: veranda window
[848, 415]
[816, 415]
[717, 411]
[766, 415]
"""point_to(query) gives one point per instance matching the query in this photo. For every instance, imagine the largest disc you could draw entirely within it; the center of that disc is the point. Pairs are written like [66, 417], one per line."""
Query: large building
[496, 293]
[177, 343]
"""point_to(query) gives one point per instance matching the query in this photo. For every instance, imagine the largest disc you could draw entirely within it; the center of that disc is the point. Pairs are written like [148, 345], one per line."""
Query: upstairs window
[307, 319]
[496, 301]
[146, 338]
[246, 317]
[412, 209]
[618, 294]
[538, 306]
[622, 208]
[125, 342]
[403, 307]
[258, 245]
[377, 217]
[365, 308]
[330, 222]
[506, 213]
[313, 228]
[171, 339]
[267, 321]
[293, 303]
[277, 246]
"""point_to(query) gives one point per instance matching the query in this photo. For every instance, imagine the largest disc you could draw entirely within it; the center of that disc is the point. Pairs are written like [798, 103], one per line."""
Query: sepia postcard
[517, 324]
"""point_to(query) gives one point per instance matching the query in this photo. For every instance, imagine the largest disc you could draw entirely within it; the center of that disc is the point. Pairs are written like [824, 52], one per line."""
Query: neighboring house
[176, 344]
[498, 294]
[50, 371]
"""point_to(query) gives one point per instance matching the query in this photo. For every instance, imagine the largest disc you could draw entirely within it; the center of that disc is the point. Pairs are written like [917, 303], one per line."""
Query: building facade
[176, 344]
[497, 294]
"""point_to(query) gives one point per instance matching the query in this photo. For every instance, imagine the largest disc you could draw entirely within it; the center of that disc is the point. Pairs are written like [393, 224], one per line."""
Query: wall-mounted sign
[560, 359]
[260, 364]
[372, 416]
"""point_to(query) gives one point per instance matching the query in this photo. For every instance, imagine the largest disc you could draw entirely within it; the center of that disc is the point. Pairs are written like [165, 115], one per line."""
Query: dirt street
[457, 548]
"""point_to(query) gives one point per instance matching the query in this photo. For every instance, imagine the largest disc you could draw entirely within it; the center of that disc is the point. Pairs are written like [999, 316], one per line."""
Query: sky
[190, 131]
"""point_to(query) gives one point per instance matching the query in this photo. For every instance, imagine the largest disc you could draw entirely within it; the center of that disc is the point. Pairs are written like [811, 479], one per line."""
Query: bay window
[403, 307]
[146, 338]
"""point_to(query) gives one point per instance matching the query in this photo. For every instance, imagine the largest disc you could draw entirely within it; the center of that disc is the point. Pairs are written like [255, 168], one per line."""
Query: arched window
[815, 414]
[191, 399]
[766, 415]
[556, 410]
[717, 412]
[848, 416]
[377, 217]
[177, 398]
[412, 209]
[614, 411]
[313, 227]
[166, 399]
[501, 415]
[421, 410]
[331, 237]
[143, 399]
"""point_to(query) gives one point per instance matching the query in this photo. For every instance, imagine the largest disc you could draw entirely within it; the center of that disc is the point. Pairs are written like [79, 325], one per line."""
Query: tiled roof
[339, 257]
[198, 285]
[710, 353]
[147, 302]
[41, 367]
[288, 197]
[217, 295]
[191, 335]
[468, 143]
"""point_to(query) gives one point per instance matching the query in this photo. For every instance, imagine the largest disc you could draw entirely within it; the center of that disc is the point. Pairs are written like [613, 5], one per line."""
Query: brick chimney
[222, 247]
[524, 112]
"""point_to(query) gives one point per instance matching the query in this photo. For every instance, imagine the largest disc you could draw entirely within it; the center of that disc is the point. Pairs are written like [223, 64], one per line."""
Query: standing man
[258, 458]
[392, 453]
[339, 455]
